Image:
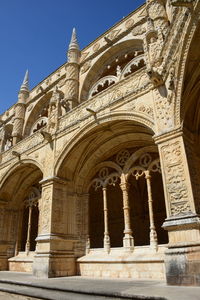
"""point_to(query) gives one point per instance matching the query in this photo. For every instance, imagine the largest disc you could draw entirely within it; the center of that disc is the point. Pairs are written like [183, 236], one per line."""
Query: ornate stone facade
[99, 164]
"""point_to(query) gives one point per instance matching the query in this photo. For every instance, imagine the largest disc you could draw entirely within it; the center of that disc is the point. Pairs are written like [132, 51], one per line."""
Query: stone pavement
[75, 288]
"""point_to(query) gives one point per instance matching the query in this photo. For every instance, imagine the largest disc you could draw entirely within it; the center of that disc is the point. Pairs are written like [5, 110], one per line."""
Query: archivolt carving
[188, 35]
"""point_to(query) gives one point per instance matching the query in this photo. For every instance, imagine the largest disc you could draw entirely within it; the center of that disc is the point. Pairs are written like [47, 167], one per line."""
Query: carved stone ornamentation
[86, 66]
[138, 30]
[54, 111]
[103, 154]
[163, 108]
[129, 23]
[46, 210]
[176, 178]
[182, 2]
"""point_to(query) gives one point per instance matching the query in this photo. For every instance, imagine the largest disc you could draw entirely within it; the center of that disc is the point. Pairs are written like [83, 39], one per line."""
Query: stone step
[37, 292]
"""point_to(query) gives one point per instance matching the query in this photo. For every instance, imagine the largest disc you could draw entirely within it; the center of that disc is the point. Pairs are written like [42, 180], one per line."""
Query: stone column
[153, 234]
[106, 241]
[128, 242]
[27, 248]
[54, 252]
[183, 223]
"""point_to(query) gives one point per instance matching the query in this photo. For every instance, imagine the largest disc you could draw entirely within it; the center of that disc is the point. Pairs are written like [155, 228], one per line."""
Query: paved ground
[74, 288]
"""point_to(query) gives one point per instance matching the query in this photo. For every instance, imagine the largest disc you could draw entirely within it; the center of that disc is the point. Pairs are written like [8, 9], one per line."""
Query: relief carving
[46, 210]
[129, 23]
[138, 30]
[54, 111]
[86, 66]
[113, 34]
[175, 179]
[164, 109]
[144, 109]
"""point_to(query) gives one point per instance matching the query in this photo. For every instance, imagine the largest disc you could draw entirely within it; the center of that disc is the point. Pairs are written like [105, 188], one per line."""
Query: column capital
[164, 137]
[147, 174]
[125, 186]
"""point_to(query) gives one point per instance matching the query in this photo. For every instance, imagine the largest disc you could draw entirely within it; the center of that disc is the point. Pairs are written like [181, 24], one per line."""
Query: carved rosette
[176, 177]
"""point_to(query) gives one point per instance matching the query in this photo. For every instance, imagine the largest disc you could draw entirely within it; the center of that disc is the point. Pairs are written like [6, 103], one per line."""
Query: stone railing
[22, 147]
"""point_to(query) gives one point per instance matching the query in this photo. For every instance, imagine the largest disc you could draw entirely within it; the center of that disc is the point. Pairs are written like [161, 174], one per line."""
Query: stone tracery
[144, 166]
[117, 69]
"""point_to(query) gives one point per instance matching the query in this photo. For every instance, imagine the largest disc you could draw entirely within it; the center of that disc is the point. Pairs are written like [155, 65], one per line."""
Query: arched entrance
[128, 199]
[20, 191]
[115, 181]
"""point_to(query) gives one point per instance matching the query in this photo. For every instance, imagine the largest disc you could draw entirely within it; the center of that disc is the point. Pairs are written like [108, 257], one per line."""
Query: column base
[54, 257]
[3, 263]
[49, 266]
[106, 243]
[128, 242]
[182, 266]
[182, 258]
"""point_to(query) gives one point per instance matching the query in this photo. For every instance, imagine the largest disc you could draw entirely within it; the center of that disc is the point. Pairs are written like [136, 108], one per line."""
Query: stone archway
[96, 178]
[19, 194]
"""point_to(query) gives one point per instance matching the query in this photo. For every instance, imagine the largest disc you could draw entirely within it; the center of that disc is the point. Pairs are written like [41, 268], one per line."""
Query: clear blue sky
[34, 35]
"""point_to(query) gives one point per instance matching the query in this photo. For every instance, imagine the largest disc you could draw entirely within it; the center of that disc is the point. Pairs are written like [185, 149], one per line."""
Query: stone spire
[72, 73]
[74, 42]
[25, 83]
[20, 109]
[73, 53]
